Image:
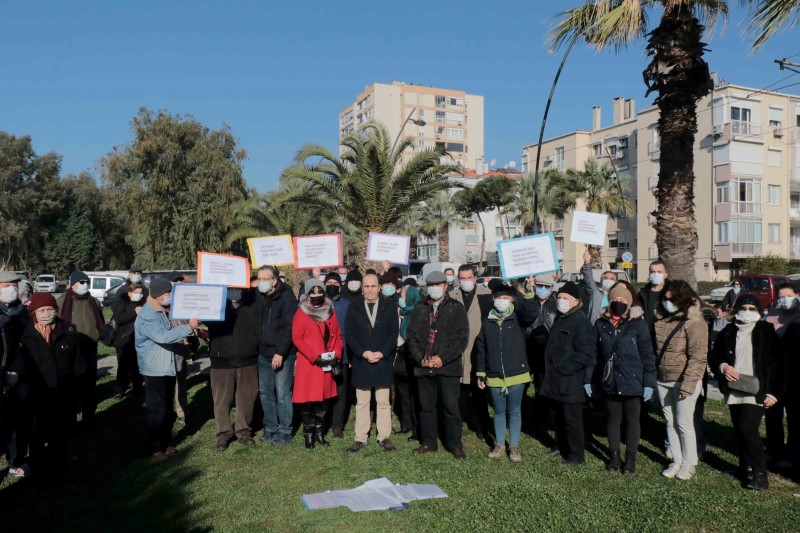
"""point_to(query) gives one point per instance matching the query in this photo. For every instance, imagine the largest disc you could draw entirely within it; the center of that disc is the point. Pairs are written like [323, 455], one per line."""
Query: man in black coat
[371, 330]
[275, 307]
[438, 333]
[571, 347]
[234, 373]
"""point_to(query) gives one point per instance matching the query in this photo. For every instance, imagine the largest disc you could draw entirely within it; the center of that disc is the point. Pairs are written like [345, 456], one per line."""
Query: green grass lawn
[116, 489]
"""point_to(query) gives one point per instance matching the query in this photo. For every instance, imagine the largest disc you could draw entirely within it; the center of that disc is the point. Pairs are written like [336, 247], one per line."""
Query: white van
[100, 283]
[427, 268]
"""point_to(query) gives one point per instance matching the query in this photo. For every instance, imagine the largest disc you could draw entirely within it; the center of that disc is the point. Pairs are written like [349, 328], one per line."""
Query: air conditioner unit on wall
[548, 159]
[719, 129]
[620, 154]
[777, 132]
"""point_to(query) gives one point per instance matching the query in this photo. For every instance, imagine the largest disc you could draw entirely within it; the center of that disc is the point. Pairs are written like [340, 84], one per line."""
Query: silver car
[45, 283]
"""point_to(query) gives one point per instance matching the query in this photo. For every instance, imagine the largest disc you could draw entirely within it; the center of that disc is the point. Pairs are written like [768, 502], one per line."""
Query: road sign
[627, 257]
[627, 264]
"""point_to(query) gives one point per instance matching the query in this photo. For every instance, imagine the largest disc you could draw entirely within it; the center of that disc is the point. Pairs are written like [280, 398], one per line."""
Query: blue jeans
[275, 392]
[507, 405]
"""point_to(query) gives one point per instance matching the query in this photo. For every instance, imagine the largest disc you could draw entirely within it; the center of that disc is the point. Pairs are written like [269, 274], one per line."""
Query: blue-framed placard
[527, 256]
[195, 300]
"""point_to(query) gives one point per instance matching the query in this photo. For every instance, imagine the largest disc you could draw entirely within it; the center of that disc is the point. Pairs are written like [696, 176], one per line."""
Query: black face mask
[316, 300]
[618, 308]
[332, 291]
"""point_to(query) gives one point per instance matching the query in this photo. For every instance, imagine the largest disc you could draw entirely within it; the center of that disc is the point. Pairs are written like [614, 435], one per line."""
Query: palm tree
[596, 186]
[435, 217]
[369, 186]
[680, 76]
[523, 206]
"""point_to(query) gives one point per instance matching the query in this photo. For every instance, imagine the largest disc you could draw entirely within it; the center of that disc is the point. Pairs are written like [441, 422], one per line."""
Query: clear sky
[278, 73]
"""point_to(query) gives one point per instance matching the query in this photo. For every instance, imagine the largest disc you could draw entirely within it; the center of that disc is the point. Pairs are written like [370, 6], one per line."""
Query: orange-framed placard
[318, 251]
[222, 269]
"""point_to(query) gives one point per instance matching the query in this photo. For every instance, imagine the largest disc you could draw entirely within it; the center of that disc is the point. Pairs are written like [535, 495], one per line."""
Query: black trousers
[474, 408]
[87, 383]
[629, 406]
[439, 393]
[569, 430]
[159, 401]
[340, 410]
[746, 421]
[405, 391]
[53, 426]
[128, 368]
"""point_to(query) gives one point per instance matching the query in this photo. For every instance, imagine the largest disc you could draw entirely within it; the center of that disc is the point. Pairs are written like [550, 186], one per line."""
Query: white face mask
[165, 300]
[502, 305]
[137, 297]
[9, 294]
[343, 276]
[353, 286]
[563, 305]
[264, 286]
[786, 302]
[136, 278]
[450, 278]
[467, 286]
[82, 289]
[748, 317]
[669, 307]
[657, 278]
[607, 284]
[46, 319]
[435, 293]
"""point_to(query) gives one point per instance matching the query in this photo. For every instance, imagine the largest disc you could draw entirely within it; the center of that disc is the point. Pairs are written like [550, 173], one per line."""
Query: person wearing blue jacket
[157, 344]
[623, 334]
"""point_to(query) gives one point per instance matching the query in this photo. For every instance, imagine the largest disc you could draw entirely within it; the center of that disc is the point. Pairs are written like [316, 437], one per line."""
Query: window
[723, 192]
[453, 133]
[524, 162]
[622, 142]
[740, 120]
[722, 233]
[99, 283]
[747, 196]
[458, 118]
[612, 149]
[420, 113]
[440, 147]
[421, 145]
[116, 281]
[598, 150]
[440, 116]
[775, 118]
[440, 100]
[455, 147]
[457, 102]
[347, 117]
[773, 158]
[774, 194]
[744, 230]
[360, 118]
[560, 158]
[612, 240]
[774, 231]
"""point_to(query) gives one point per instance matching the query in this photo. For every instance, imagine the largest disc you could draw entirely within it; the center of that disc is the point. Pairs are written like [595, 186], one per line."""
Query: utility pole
[784, 64]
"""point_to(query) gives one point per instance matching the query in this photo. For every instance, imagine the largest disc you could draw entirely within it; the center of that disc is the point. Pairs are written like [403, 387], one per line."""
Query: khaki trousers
[383, 416]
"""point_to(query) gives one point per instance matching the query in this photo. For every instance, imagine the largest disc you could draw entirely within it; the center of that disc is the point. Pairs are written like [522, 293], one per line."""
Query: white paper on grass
[589, 228]
[374, 495]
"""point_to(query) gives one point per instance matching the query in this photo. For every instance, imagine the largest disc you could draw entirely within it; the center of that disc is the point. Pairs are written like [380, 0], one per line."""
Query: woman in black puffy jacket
[623, 334]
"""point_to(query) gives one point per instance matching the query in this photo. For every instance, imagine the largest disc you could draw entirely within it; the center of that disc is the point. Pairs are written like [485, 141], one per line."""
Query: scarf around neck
[66, 309]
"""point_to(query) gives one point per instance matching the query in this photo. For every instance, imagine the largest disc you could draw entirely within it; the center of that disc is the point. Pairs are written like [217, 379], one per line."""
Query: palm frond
[768, 17]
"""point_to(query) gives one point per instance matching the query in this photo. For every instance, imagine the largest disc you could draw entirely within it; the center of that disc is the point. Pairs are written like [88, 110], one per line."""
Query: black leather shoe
[308, 440]
[319, 438]
[614, 463]
[387, 445]
[759, 482]
[629, 468]
[357, 447]
[573, 462]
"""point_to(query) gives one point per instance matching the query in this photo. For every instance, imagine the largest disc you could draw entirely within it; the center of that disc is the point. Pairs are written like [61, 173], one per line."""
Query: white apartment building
[434, 117]
[747, 179]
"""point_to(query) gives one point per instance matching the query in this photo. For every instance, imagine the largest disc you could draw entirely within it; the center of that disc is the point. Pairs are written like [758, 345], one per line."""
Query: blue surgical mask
[450, 278]
[786, 302]
[736, 290]
[388, 290]
[264, 286]
[543, 293]
[669, 307]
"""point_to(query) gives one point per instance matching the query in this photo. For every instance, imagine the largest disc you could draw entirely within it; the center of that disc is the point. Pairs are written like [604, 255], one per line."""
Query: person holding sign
[275, 309]
[571, 348]
[598, 298]
[316, 333]
[157, 344]
[371, 330]
[438, 333]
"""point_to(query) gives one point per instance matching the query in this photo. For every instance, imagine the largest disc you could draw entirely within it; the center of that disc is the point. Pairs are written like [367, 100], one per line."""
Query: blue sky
[75, 73]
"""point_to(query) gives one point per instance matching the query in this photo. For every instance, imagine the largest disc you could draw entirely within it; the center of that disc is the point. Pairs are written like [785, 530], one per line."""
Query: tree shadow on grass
[110, 486]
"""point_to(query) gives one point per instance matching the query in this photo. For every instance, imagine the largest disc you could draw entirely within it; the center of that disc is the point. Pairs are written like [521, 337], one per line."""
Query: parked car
[763, 286]
[45, 283]
[427, 268]
[596, 274]
[99, 284]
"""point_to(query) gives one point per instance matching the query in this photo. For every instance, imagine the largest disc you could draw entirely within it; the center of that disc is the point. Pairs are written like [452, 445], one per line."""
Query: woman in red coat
[316, 334]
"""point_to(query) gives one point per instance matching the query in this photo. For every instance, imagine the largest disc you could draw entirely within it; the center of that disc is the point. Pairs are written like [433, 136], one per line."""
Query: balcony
[741, 127]
[746, 249]
[654, 150]
[794, 249]
[794, 211]
[746, 208]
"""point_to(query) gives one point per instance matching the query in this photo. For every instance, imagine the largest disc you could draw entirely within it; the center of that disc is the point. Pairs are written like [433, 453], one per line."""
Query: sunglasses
[83, 282]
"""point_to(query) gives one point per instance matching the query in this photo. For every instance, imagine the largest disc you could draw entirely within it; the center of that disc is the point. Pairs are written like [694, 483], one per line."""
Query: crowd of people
[438, 358]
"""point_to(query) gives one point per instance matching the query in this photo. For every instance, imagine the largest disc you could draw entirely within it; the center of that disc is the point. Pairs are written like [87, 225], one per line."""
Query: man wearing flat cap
[79, 308]
[437, 335]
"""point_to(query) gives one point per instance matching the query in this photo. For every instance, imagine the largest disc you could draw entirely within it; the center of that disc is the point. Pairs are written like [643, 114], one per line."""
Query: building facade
[453, 120]
[747, 179]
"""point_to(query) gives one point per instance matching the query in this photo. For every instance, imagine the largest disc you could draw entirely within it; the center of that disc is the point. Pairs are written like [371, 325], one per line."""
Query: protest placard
[527, 256]
[588, 228]
[386, 247]
[318, 251]
[220, 269]
[275, 250]
[192, 300]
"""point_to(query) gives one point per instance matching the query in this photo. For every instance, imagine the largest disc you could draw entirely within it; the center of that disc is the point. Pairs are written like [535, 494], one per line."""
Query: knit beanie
[572, 289]
[621, 291]
[41, 299]
[313, 282]
[389, 278]
[332, 276]
[77, 276]
[354, 275]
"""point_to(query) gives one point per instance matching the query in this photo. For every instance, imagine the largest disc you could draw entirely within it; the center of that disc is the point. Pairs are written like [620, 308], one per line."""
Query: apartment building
[434, 117]
[747, 179]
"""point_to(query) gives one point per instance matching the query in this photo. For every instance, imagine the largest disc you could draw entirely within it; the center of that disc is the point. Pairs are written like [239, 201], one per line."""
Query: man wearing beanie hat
[51, 346]
[390, 283]
[158, 343]
[341, 304]
[79, 308]
[352, 284]
[622, 331]
[571, 348]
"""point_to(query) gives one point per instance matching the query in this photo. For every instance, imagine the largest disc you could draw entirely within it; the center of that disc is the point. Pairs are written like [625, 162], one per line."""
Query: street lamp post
[418, 122]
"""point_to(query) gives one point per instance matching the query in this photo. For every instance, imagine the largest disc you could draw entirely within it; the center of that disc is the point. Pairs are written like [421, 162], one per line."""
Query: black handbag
[609, 380]
[109, 333]
[745, 384]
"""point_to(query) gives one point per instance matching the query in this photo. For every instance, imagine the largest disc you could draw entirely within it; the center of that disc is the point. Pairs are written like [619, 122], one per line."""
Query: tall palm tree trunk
[443, 234]
[481, 259]
[681, 77]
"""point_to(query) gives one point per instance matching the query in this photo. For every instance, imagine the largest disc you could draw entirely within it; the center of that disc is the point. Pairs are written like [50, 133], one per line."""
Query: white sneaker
[21, 471]
[685, 473]
[671, 470]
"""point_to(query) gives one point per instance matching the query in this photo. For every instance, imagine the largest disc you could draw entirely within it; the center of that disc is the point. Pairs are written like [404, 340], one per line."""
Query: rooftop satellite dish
[512, 164]
[493, 162]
